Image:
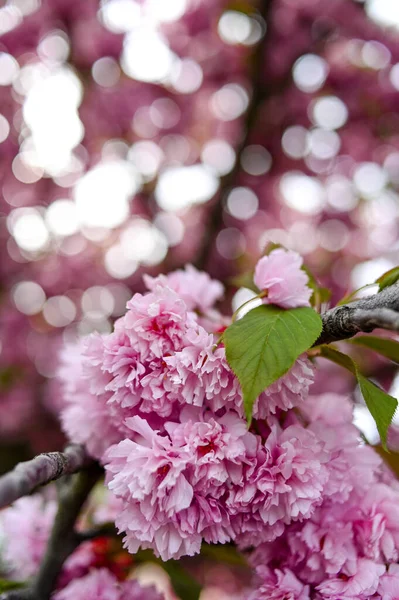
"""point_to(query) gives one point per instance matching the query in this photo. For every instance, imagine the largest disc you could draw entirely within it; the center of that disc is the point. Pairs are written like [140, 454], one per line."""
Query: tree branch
[42, 469]
[229, 180]
[378, 311]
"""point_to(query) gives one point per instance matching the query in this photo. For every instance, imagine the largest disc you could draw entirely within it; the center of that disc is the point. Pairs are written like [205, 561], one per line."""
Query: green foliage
[320, 294]
[386, 347]
[352, 296]
[244, 280]
[265, 343]
[388, 278]
[6, 585]
[226, 553]
[390, 458]
[270, 247]
[381, 405]
[185, 586]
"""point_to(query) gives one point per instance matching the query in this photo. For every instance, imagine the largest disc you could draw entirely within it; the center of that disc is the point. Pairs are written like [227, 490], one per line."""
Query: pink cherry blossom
[195, 287]
[388, 588]
[86, 418]
[29, 519]
[157, 321]
[288, 391]
[285, 485]
[170, 484]
[101, 584]
[280, 275]
[360, 585]
[279, 585]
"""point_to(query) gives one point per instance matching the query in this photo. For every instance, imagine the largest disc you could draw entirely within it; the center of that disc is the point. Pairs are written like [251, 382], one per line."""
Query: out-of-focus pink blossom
[26, 527]
[101, 584]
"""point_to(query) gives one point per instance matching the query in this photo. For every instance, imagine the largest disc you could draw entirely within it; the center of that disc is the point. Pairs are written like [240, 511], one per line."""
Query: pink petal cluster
[285, 485]
[101, 584]
[29, 519]
[343, 548]
[196, 288]
[158, 359]
[281, 276]
[212, 480]
[159, 406]
[388, 588]
[279, 585]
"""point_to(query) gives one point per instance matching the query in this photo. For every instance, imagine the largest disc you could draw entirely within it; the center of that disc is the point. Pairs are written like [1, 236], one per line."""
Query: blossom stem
[236, 312]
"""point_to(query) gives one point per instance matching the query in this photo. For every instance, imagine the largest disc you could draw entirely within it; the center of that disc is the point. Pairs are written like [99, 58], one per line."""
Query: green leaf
[265, 343]
[352, 296]
[244, 280]
[226, 553]
[388, 278]
[6, 585]
[270, 247]
[320, 294]
[390, 458]
[386, 347]
[185, 586]
[381, 405]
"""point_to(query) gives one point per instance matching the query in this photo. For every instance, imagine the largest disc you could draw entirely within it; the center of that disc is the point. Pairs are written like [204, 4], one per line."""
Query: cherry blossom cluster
[156, 402]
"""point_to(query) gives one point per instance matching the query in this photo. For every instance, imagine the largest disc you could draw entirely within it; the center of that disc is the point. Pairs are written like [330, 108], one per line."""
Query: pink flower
[170, 484]
[358, 586]
[29, 520]
[285, 485]
[352, 465]
[281, 276]
[199, 374]
[388, 588]
[149, 476]
[279, 585]
[157, 322]
[195, 287]
[218, 448]
[288, 391]
[324, 545]
[376, 523]
[87, 418]
[101, 584]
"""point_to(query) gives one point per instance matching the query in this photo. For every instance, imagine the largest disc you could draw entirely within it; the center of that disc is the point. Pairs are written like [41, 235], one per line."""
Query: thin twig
[42, 469]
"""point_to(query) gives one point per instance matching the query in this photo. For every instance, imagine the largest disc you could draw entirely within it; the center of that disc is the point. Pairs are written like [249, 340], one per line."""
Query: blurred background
[140, 135]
